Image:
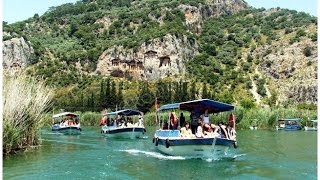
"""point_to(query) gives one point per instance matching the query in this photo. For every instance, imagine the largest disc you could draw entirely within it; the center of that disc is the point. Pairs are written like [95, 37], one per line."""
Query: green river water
[261, 154]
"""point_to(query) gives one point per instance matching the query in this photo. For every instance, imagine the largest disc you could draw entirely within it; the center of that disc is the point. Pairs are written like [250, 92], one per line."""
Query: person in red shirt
[173, 121]
[232, 120]
[104, 121]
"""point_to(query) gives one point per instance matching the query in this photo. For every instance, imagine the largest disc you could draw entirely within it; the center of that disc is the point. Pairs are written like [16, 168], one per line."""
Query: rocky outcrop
[293, 71]
[212, 8]
[17, 53]
[155, 59]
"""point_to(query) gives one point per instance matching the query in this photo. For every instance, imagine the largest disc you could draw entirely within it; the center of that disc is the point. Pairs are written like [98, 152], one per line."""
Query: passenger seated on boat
[231, 132]
[207, 131]
[215, 130]
[70, 122]
[173, 121]
[129, 124]
[223, 127]
[165, 126]
[186, 131]
[199, 132]
[62, 123]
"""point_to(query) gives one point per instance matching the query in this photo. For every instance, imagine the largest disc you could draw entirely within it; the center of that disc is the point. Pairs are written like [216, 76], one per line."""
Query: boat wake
[166, 157]
[153, 154]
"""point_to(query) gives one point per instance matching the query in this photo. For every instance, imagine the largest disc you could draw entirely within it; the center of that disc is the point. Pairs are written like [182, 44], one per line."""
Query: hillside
[221, 49]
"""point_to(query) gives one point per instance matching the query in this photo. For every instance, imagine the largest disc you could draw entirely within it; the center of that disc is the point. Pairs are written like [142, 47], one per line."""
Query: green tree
[120, 95]
[107, 95]
[113, 96]
[102, 94]
[205, 91]
[146, 98]
[193, 91]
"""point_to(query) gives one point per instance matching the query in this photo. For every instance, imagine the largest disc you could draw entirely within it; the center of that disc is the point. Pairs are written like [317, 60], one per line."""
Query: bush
[307, 51]
[90, 118]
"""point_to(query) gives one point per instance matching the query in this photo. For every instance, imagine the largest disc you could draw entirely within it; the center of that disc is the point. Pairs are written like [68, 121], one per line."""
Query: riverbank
[263, 118]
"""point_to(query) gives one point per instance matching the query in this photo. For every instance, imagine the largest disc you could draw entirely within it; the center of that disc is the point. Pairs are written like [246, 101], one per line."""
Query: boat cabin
[121, 124]
[289, 124]
[66, 118]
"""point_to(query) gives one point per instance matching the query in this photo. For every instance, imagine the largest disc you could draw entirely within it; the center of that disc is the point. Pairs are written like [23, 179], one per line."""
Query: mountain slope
[256, 54]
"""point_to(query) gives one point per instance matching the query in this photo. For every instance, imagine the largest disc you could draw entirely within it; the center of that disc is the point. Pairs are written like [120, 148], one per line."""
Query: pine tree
[160, 91]
[184, 91]
[102, 95]
[204, 91]
[169, 97]
[146, 98]
[120, 96]
[113, 96]
[177, 95]
[92, 103]
[193, 91]
[107, 95]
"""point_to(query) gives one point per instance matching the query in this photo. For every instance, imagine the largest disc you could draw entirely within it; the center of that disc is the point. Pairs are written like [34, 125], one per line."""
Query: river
[261, 154]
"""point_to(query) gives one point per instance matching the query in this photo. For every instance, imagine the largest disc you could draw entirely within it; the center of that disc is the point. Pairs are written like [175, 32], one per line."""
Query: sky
[19, 10]
[308, 6]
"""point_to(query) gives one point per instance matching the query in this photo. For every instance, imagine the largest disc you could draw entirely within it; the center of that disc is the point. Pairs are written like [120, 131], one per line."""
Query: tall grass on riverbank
[24, 103]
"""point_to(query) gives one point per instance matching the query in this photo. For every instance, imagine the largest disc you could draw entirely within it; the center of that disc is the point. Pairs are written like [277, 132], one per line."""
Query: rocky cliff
[156, 59]
[17, 53]
[291, 67]
[195, 15]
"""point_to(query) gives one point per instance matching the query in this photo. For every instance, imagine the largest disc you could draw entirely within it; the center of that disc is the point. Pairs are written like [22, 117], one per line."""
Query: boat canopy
[289, 119]
[125, 112]
[200, 105]
[64, 114]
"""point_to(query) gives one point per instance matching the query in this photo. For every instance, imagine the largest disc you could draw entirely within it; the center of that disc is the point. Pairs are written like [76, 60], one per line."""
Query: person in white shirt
[186, 131]
[199, 132]
[140, 123]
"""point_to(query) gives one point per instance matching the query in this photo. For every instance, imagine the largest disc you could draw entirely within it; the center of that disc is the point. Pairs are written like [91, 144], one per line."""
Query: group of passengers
[120, 121]
[69, 121]
[201, 127]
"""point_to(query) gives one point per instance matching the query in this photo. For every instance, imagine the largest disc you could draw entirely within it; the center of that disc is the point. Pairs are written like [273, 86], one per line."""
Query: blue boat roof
[289, 119]
[125, 112]
[199, 106]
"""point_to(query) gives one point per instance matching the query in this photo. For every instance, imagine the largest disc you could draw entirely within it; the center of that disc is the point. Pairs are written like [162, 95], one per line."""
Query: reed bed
[24, 102]
[90, 118]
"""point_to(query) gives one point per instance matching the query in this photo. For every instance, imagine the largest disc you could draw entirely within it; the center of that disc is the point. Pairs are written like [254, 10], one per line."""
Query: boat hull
[253, 128]
[127, 133]
[310, 128]
[289, 128]
[195, 147]
[67, 130]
